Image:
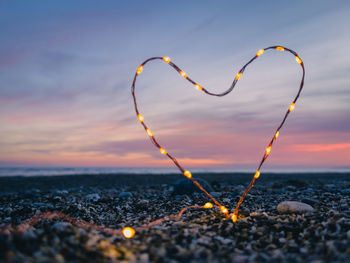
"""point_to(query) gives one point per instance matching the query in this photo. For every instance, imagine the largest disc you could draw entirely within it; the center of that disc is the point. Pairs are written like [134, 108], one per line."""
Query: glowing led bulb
[223, 209]
[268, 150]
[257, 174]
[239, 74]
[139, 69]
[187, 174]
[234, 218]
[184, 74]
[166, 59]
[140, 117]
[292, 107]
[198, 87]
[208, 205]
[128, 232]
[162, 151]
[280, 48]
[149, 132]
[277, 134]
[260, 52]
[298, 60]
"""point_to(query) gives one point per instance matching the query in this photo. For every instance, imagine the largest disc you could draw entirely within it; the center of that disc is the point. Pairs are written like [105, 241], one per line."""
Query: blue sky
[66, 69]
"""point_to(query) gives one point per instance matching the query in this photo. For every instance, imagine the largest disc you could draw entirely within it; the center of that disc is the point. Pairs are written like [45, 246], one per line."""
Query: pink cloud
[321, 147]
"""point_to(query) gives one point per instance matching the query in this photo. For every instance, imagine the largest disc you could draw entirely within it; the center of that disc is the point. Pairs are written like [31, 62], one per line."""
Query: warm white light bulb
[268, 150]
[292, 107]
[260, 52]
[298, 60]
[234, 218]
[198, 87]
[149, 132]
[223, 209]
[277, 134]
[140, 117]
[128, 232]
[208, 205]
[257, 174]
[139, 69]
[187, 174]
[166, 59]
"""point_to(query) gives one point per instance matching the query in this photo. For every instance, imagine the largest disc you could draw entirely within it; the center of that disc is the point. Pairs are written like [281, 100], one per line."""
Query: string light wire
[186, 173]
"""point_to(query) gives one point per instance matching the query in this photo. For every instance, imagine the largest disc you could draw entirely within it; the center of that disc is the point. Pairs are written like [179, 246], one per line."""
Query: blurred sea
[51, 171]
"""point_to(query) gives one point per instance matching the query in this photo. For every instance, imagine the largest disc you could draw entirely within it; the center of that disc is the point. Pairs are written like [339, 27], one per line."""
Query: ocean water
[51, 171]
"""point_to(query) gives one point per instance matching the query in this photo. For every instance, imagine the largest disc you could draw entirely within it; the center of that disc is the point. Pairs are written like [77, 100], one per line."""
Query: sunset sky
[66, 69]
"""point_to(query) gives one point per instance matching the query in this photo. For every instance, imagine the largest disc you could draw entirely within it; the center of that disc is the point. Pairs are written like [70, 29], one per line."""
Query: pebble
[93, 197]
[61, 226]
[143, 202]
[215, 194]
[185, 186]
[309, 201]
[58, 199]
[287, 207]
[291, 188]
[124, 195]
[262, 234]
[61, 192]
[29, 235]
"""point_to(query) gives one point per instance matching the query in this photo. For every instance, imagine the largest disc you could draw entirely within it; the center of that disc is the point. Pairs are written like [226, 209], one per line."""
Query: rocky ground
[261, 235]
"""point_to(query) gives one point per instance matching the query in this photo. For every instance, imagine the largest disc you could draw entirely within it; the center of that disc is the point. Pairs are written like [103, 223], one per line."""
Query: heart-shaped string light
[267, 152]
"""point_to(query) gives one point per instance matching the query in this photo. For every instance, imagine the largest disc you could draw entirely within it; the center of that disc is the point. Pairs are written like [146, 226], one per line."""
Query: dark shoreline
[107, 181]
[262, 234]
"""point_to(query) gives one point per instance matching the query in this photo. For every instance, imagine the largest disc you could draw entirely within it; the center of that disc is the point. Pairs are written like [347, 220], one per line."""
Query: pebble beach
[315, 227]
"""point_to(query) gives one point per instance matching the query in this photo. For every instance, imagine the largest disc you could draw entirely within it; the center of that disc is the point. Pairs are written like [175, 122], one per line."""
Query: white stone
[93, 197]
[288, 207]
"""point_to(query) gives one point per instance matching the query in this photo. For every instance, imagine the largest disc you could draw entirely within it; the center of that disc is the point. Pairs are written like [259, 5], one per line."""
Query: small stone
[215, 194]
[59, 258]
[61, 192]
[277, 185]
[144, 258]
[93, 197]
[125, 195]
[291, 188]
[277, 254]
[303, 250]
[297, 183]
[282, 240]
[61, 226]
[287, 207]
[38, 204]
[309, 201]
[58, 199]
[143, 202]
[29, 235]
[185, 186]
[345, 191]
[226, 200]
